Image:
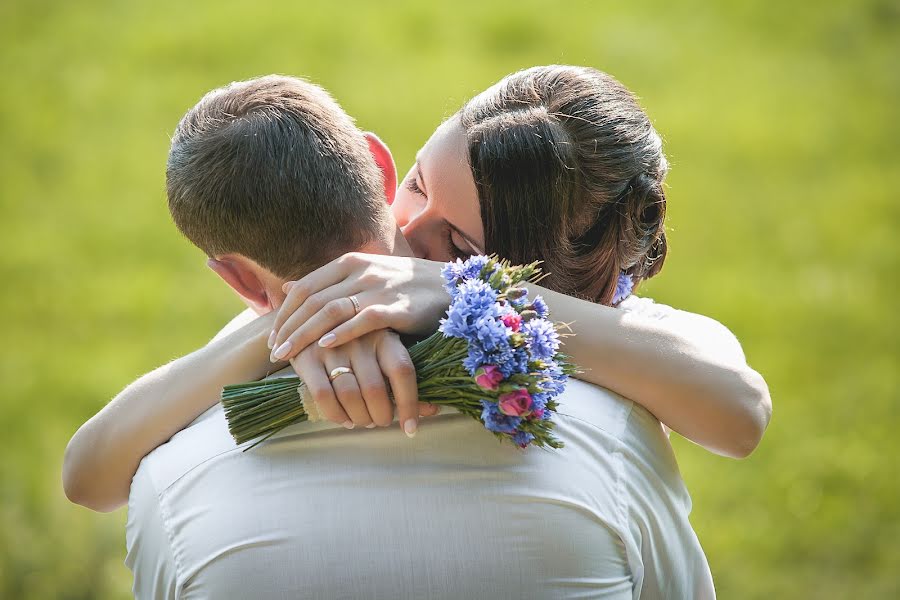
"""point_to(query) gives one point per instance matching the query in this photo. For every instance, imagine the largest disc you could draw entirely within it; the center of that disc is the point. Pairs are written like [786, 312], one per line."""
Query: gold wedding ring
[337, 372]
[355, 304]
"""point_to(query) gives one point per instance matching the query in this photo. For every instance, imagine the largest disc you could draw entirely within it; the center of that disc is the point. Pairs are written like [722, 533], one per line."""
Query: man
[270, 178]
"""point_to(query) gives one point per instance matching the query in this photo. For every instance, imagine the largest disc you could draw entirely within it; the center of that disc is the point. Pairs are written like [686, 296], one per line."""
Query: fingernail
[271, 341]
[348, 424]
[410, 428]
[282, 350]
[326, 339]
[370, 425]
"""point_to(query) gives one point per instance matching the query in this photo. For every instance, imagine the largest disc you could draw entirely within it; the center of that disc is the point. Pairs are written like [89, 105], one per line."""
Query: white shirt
[318, 511]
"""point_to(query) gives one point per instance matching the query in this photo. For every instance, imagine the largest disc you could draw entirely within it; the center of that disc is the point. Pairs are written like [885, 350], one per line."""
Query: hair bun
[642, 209]
[568, 170]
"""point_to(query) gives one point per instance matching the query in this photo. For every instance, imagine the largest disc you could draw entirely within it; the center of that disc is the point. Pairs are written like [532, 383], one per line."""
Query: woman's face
[436, 205]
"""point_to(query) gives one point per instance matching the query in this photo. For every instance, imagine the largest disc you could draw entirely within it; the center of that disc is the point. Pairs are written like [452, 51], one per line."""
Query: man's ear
[242, 280]
[385, 162]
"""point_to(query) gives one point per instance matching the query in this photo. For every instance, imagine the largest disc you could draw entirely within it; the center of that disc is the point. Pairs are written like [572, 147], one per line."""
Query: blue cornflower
[554, 379]
[496, 420]
[473, 266]
[539, 401]
[477, 357]
[452, 272]
[540, 307]
[624, 285]
[475, 299]
[522, 438]
[541, 338]
[519, 301]
[490, 333]
[517, 363]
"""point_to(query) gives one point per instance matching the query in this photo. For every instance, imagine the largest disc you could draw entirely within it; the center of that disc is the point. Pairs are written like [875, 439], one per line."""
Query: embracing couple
[300, 213]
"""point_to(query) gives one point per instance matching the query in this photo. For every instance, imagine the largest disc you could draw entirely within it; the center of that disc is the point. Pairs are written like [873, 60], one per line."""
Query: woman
[557, 164]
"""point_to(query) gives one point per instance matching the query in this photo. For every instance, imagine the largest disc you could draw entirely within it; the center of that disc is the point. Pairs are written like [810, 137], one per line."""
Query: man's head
[272, 179]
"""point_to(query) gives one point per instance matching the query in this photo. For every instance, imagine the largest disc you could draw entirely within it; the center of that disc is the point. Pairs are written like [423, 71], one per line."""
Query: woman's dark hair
[569, 171]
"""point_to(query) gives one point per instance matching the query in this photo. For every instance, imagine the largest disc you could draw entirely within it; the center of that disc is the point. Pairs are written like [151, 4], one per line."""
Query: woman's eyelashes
[413, 186]
[452, 248]
[455, 252]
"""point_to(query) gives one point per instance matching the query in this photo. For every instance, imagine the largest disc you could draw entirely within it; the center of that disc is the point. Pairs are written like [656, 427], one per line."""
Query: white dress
[319, 511]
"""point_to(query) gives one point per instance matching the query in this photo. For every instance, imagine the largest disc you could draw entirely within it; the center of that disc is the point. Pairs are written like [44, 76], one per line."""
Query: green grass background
[780, 121]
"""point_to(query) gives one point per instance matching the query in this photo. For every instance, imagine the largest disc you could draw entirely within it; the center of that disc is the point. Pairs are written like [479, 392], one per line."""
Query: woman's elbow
[78, 493]
[70, 480]
[77, 487]
[757, 405]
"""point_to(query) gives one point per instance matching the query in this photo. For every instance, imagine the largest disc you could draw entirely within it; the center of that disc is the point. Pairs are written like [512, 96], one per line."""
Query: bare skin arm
[690, 373]
[103, 455]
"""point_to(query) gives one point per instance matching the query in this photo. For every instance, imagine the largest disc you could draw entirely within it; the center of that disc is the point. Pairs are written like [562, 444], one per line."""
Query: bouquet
[495, 357]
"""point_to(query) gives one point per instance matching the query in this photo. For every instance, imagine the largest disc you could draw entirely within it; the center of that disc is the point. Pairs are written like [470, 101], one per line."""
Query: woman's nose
[405, 210]
[400, 218]
[410, 232]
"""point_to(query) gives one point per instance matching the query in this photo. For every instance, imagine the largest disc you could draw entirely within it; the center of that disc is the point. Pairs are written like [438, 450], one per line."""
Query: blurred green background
[781, 124]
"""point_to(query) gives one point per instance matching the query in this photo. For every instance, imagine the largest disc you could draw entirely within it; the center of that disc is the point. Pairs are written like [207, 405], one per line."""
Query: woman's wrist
[435, 298]
[246, 349]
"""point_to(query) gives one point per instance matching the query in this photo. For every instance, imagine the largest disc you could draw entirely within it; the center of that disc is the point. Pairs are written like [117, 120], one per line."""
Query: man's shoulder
[197, 443]
[205, 438]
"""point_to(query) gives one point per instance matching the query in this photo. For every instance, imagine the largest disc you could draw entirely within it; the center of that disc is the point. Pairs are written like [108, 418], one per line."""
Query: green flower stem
[246, 407]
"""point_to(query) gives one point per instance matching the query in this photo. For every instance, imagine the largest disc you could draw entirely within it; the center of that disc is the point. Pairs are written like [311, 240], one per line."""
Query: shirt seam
[198, 465]
[170, 538]
[622, 504]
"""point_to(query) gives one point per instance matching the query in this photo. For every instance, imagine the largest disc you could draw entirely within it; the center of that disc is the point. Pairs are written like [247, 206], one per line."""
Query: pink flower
[516, 403]
[512, 320]
[488, 377]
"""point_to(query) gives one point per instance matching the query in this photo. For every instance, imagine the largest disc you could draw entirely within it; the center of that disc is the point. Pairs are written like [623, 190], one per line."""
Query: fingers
[309, 323]
[371, 318]
[297, 292]
[347, 391]
[398, 366]
[427, 409]
[371, 384]
[313, 374]
[322, 279]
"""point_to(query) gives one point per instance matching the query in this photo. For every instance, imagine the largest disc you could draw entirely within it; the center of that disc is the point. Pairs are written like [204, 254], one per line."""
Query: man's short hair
[273, 169]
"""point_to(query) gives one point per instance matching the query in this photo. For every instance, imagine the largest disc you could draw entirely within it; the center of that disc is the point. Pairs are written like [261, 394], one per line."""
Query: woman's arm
[103, 455]
[690, 372]
[687, 369]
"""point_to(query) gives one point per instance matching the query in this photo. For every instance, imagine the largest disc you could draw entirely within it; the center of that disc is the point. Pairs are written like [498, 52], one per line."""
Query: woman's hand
[360, 397]
[404, 294]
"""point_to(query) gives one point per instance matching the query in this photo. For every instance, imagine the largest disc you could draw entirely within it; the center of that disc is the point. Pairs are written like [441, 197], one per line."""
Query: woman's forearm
[688, 370]
[103, 455]
[692, 376]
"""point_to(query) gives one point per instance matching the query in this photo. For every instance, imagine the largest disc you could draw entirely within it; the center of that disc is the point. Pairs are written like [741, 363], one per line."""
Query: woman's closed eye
[453, 249]
[413, 186]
